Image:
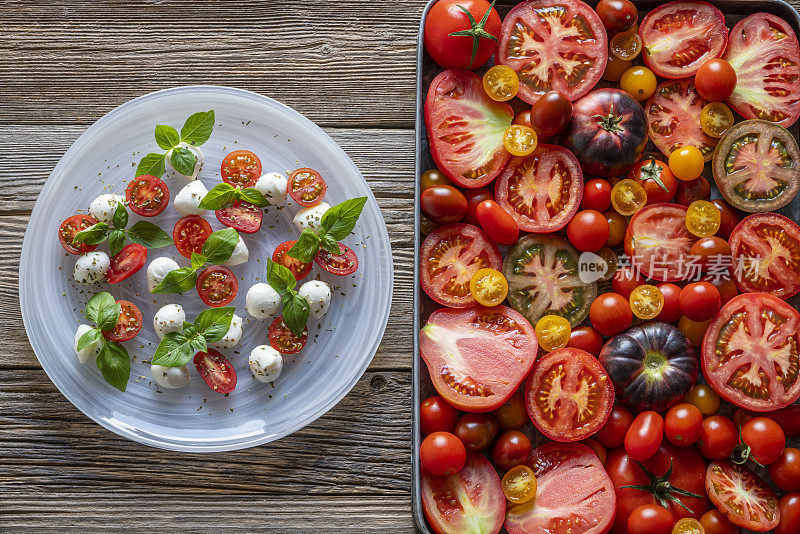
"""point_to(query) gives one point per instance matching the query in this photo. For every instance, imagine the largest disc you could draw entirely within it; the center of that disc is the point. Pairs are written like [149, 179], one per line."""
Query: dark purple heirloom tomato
[652, 366]
[608, 132]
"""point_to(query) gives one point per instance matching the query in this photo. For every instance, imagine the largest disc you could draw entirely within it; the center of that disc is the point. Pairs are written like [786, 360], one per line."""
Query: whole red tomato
[765, 439]
[456, 51]
[730, 217]
[596, 195]
[785, 471]
[716, 80]
[436, 415]
[474, 198]
[657, 180]
[612, 434]
[718, 438]
[513, 414]
[617, 15]
[650, 519]
[442, 454]
[551, 113]
[789, 507]
[788, 418]
[715, 523]
[511, 449]
[610, 314]
[588, 231]
[477, 431]
[688, 192]
[644, 436]
[683, 424]
[586, 338]
[671, 311]
[700, 301]
[625, 280]
[501, 227]
[444, 204]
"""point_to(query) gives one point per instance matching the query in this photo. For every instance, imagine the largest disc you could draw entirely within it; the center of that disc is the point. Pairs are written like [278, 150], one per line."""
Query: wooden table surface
[347, 65]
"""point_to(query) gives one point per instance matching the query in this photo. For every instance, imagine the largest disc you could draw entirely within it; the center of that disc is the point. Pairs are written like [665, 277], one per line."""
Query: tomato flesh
[742, 497]
[70, 228]
[338, 264]
[217, 286]
[242, 216]
[216, 370]
[241, 168]
[190, 233]
[659, 243]
[129, 323]
[283, 340]
[307, 187]
[147, 195]
[126, 263]
[281, 256]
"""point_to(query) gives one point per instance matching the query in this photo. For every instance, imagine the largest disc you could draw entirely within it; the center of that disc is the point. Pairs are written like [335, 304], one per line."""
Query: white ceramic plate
[196, 418]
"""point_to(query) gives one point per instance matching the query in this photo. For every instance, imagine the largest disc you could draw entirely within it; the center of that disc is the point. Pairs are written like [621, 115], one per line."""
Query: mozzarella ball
[262, 301]
[89, 353]
[199, 159]
[240, 254]
[157, 271]
[273, 186]
[168, 319]
[232, 337]
[311, 217]
[188, 199]
[266, 363]
[104, 206]
[170, 377]
[91, 267]
[318, 295]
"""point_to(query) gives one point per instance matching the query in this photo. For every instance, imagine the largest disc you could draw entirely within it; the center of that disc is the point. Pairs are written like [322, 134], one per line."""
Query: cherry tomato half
[216, 370]
[129, 323]
[716, 80]
[683, 424]
[519, 484]
[300, 269]
[765, 438]
[703, 218]
[646, 301]
[338, 264]
[501, 83]
[190, 233]
[626, 45]
[520, 140]
[126, 263]
[628, 197]
[552, 332]
[610, 314]
[643, 438]
[241, 216]
[588, 230]
[442, 454]
[242, 168]
[716, 119]
[498, 224]
[489, 287]
[70, 228]
[435, 414]
[307, 187]
[147, 195]
[443, 204]
[217, 286]
[283, 340]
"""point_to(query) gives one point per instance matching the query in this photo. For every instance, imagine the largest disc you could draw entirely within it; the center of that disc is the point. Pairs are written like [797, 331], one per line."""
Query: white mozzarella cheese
[232, 337]
[187, 201]
[169, 318]
[318, 295]
[170, 377]
[89, 353]
[240, 254]
[262, 301]
[91, 267]
[103, 207]
[310, 217]
[265, 363]
[273, 186]
[157, 270]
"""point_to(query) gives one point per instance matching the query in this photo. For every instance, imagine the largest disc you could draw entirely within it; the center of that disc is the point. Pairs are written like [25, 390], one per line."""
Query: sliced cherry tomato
[596, 195]
[643, 438]
[742, 497]
[126, 263]
[617, 15]
[716, 119]
[501, 227]
[477, 431]
[639, 82]
[511, 449]
[70, 228]
[715, 81]
[627, 45]
[242, 216]
[513, 414]
[459, 51]
[553, 332]
[646, 301]
[656, 178]
[612, 434]
[671, 311]
[700, 301]
[307, 187]
[610, 314]
[703, 218]
[688, 525]
[659, 243]
[686, 163]
[586, 339]
[551, 113]
[283, 340]
[443, 204]
[190, 233]
[588, 231]
[520, 140]
[432, 177]
[765, 439]
[300, 269]
[241, 168]
[436, 415]
[704, 398]
[147, 195]
[715, 523]
[339, 264]
[689, 191]
[216, 370]
[501, 83]
[217, 286]
[442, 454]
[789, 506]
[519, 484]
[628, 197]
[129, 323]
[683, 425]
[785, 470]
[489, 287]
[650, 519]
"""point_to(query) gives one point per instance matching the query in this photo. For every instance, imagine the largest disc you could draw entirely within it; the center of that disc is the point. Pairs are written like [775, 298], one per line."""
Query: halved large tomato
[766, 252]
[678, 37]
[450, 255]
[673, 118]
[659, 244]
[543, 279]
[569, 395]
[750, 352]
[477, 357]
[541, 191]
[559, 45]
[764, 52]
[742, 497]
[465, 128]
[574, 493]
[471, 500]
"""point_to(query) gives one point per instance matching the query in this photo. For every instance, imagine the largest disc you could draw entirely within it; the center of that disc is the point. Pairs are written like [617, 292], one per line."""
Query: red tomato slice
[553, 45]
[242, 168]
[471, 500]
[283, 340]
[574, 493]
[299, 269]
[307, 187]
[449, 256]
[216, 370]
[659, 244]
[242, 216]
[673, 118]
[190, 233]
[340, 264]
[743, 498]
[750, 352]
[766, 252]
[678, 37]
[764, 52]
[569, 395]
[147, 195]
[126, 262]
[69, 228]
[541, 191]
[465, 128]
[217, 286]
[129, 323]
[477, 357]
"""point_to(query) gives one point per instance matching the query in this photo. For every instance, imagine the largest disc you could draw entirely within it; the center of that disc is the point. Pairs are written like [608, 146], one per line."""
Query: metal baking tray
[734, 10]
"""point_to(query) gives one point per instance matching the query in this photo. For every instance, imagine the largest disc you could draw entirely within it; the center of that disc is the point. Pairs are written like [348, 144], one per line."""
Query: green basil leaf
[295, 313]
[199, 344]
[254, 196]
[220, 197]
[153, 164]
[280, 278]
[330, 244]
[183, 160]
[306, 247]
[198, 260]
[340, 220]
[189, 329]
[187, 324]
[92, 336]
[177, 281]
[198, 127]
[219, 246]
[120, 219]
[214, 323]
[174, 350]
[108, 316]
[94, 235]
[116, 240]
[167, 137]
[149, 235]
[115, 364]
[101, 300]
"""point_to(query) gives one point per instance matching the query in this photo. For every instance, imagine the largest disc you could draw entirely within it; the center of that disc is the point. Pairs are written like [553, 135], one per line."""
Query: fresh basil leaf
[295, 313]
[120, 219]
[187, 324]
[115, 364]
[198, 127]
[214, 323]
[327, 242]
[108, 316]
[92, 336]
[189, 329]
[199, 344]
[280, 278]
[149, 235]
[306, 247]
[183, 160]
[116, 240]
[220, 197]
[167, 137]
[254, 196]
[177, 281]
[152, 164]
[340, 220]
[94, 235]
[219, 246]
[174, 350]
[198, 260]
[101, 300]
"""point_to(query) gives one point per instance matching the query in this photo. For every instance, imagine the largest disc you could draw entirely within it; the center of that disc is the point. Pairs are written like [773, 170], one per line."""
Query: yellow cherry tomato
[686, 163]
[501, 83]
[519, 484]
[626, 45]
[716, 119]
[520, 140]
[646, 301]
[703, 218]
[628, 197]
[688, 525]
[489, 287]
[552, 332]
[639, 82]
[615, 68]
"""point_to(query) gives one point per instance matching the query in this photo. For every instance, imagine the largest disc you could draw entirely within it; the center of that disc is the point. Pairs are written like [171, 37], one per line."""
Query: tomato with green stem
[764, 438]
[435, 414]
[442, 454]
[657, 180]
[461, 33]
